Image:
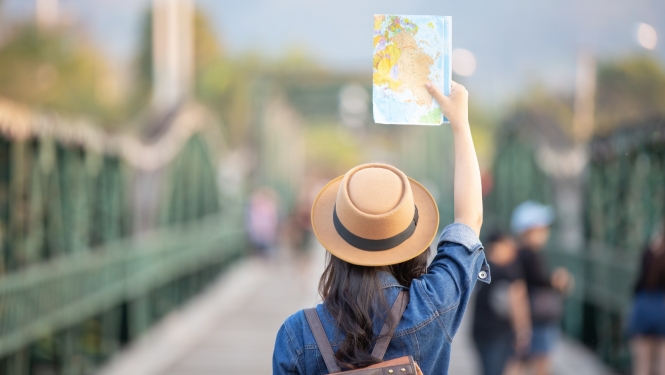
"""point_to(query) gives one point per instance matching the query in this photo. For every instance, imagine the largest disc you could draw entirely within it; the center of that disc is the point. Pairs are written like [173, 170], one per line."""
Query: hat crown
[357, 225]
[375, 201]
[375, 191]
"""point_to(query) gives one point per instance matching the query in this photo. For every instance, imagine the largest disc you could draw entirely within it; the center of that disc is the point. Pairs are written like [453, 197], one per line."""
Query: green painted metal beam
[49, 297]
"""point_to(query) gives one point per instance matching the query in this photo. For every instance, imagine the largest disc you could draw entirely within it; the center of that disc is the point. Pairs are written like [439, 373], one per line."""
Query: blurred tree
[227, 84]
[224, 84]
[207, 48]
[296, 60]
[221, 83]
[55, 71]
[629, 91]
[483, 127]
[541, 116]
[332, 148]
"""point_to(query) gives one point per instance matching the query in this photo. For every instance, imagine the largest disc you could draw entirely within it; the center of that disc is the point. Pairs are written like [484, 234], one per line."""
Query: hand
[455, 106]
[657, 244]
[522, 342]
[562, 280]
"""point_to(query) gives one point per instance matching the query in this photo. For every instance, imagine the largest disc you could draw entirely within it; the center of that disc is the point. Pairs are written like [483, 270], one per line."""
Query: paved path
[231, 327]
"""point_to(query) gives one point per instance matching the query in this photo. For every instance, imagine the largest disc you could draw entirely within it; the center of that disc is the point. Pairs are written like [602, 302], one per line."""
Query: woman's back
[437, 303]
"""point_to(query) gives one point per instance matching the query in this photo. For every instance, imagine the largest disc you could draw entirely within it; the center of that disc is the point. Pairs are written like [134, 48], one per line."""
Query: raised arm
[467, 187]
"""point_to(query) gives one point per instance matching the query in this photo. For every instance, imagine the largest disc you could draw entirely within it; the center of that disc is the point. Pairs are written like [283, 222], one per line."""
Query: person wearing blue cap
[530, 222]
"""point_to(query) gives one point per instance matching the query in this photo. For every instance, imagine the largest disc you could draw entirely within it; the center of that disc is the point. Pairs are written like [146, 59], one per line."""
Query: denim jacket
[434, 313]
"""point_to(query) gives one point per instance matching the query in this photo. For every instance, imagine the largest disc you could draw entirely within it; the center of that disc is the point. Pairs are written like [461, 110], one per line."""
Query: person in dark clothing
[530, 222]
[647, 319]
[501, 324]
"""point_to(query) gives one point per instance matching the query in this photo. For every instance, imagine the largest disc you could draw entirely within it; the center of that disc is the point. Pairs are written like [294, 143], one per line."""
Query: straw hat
[375, 216]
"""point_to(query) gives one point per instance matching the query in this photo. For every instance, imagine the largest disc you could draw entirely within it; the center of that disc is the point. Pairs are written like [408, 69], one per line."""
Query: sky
[517, 43]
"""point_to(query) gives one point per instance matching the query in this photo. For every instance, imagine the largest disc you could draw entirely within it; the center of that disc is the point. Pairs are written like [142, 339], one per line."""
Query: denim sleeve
[450, 278]
[284, 360]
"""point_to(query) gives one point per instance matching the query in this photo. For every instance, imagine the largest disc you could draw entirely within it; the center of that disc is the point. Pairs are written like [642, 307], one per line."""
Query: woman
[647, 323]
[377, 226]
[501, 320]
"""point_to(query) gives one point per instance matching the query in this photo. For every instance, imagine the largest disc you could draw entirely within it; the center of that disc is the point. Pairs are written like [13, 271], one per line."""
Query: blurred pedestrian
[300, 235]
[501, 323]
[263, 221]
[531, 222]
[647, 320]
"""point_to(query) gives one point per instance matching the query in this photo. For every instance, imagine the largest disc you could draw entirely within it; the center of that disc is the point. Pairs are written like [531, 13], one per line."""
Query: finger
[454, 87]
[436, 93]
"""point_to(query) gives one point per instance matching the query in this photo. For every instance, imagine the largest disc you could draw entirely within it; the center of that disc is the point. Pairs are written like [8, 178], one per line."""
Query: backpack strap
[392, 320]
[322, 340]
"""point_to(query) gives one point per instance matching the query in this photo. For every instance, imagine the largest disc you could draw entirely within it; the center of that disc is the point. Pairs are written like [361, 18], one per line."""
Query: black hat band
[374, 245]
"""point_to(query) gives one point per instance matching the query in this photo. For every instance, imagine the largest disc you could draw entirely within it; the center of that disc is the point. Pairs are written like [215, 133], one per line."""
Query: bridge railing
[623, 199]
[102, 234]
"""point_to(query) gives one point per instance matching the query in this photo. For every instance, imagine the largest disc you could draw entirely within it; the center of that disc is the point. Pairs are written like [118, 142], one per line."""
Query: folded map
[410, 51]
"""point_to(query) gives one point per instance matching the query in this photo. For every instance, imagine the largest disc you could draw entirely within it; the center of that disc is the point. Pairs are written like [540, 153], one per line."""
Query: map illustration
[410, 51]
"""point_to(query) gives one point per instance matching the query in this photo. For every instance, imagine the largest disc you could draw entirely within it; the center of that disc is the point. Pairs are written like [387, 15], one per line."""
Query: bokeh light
[353, 106]
[464, 62]
[647, 36]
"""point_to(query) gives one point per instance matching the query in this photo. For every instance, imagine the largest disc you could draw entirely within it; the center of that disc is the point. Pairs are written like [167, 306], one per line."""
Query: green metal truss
[89, 257]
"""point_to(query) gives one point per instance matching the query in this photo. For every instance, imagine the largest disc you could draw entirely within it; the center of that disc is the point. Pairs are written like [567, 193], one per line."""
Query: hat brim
[322, 224]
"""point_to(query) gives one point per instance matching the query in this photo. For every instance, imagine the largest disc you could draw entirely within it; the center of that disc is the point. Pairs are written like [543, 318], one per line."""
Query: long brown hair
[353, 296]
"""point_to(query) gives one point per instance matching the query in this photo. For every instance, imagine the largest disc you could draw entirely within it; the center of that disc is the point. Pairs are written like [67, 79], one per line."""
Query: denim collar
[388, 280]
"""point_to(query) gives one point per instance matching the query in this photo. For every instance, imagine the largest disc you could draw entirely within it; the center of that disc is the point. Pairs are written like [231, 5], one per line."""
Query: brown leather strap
[322, 340]
[392, 320]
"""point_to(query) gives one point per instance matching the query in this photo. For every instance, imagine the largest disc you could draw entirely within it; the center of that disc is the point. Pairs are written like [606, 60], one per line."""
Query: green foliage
[331, 148]
[629, 91]
[207, 48]
[225, 87]
[540, 115]
[55, 71]
[222, 83]
[483, 127]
